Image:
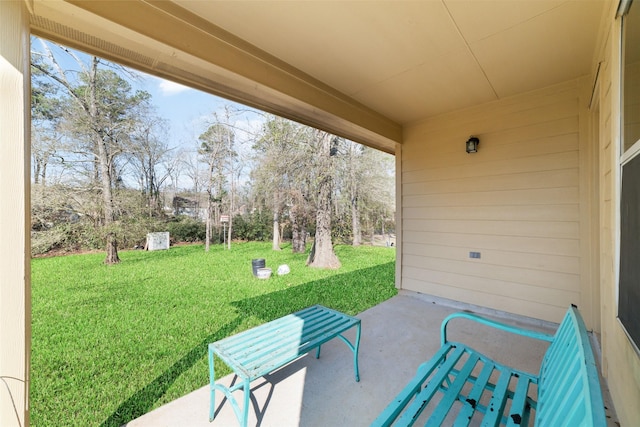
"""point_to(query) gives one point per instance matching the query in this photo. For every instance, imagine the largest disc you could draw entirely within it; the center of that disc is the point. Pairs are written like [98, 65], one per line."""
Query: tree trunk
[36, 173]
[229, 230]
[276, 223]
[275, 245]
[355, 213]
[207, 238]
[355, 222]
[210, 209]
[322, 254]
[232, 193]
[104, 163]
[299, 241]
[107, 198]
[109, 217]
[298, 234]
[112, 250]
[43, 171]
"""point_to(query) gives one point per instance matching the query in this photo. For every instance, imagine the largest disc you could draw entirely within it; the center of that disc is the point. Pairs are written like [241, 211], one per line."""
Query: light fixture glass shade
[472, 144]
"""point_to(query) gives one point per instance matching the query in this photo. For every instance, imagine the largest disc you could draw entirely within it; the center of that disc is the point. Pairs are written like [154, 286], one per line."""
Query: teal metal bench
[263, 349]
[461, 385]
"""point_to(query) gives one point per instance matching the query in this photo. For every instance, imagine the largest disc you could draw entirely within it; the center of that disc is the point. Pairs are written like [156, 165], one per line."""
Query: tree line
[105, 172]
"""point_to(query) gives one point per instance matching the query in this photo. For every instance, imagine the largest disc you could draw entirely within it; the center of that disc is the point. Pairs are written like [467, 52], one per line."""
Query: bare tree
[46, 113]
[282, 158]
[191, 165]
[45, 144]
[100, 114]
[376, 189]
[214, 150]
[150, 159]
[365, 180]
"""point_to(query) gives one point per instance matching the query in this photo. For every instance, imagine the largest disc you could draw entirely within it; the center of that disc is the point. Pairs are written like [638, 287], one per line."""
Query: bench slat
[255, 352]
[451, 395]
[571, 389]
[284, 334]
[282, 356]
[575, 415]
[518, 413]
[555, 349]
[493, 416]
[282, 349]
[235, 344]
[292, 338]
[473, 399]
[557, 358]
[268, 330]
[394, 409]
[423, 397]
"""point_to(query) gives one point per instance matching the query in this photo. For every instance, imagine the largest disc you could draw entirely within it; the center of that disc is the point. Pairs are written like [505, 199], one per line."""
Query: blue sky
[184, 108]
[189, 110]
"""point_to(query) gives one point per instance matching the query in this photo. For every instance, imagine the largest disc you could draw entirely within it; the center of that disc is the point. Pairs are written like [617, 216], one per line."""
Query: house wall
[519, 201]
[620, 362]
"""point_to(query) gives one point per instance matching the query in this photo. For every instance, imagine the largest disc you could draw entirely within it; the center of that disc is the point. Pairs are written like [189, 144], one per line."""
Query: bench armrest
[493, 323]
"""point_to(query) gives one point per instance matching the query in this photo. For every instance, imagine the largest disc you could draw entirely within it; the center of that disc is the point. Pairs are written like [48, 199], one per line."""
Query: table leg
[212, 378]
[355, 353]
[247, 395]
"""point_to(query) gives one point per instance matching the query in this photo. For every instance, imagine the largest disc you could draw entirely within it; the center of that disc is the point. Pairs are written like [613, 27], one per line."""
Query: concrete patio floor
[397, 335]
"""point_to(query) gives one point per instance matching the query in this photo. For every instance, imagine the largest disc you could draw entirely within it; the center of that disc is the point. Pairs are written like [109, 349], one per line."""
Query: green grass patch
[110, 343]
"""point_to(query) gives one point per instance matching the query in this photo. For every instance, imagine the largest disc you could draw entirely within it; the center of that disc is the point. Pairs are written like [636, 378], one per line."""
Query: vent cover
[67, 35]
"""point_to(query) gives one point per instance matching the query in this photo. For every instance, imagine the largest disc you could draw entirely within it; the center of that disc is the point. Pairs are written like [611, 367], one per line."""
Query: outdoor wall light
[472, 144]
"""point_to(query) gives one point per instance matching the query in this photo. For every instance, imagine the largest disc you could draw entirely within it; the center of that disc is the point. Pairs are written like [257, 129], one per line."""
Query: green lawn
[110, 343]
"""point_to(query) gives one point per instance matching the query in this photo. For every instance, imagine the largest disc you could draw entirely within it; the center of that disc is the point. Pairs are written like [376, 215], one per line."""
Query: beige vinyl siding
[15, 251]
[620, 362]
[516, 201]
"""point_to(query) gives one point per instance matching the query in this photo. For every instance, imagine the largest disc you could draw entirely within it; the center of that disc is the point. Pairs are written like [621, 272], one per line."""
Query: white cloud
[168, 88]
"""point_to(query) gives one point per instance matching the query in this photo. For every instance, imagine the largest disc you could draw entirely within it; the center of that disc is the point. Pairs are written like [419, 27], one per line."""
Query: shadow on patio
[397, 335]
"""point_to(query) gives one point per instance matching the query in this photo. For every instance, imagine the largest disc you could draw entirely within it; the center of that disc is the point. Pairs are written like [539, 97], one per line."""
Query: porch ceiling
[362, 69]
[412, 59]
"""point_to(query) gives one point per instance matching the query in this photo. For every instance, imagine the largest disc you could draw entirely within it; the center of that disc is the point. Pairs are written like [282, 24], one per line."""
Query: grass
[110, 343]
